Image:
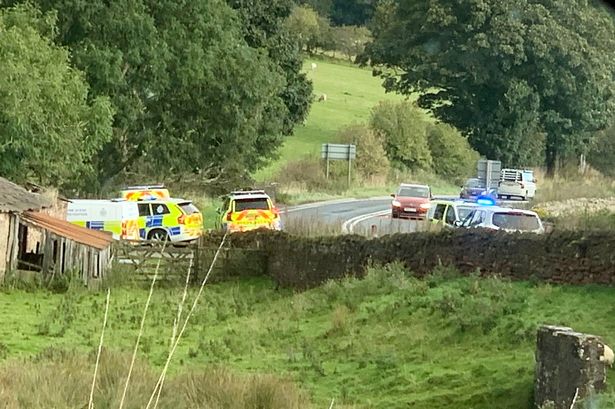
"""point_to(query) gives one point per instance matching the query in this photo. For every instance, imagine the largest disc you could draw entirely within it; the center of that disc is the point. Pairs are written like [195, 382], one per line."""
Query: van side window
[439, 213]
[160, 209]
[144, 209]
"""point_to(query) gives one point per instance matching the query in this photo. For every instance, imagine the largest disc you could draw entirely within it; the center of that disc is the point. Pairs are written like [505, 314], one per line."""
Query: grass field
[351, 94]
[388, 341]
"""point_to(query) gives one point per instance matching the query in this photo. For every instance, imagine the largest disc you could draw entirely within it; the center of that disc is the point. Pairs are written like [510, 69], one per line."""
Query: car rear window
[188, 208]
[251, 204]
[413, 192]
[516, 221]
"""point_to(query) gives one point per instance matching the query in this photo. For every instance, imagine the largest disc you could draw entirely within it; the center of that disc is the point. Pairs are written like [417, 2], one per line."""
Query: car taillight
[276, 212]
[181, 219]
[229, 217]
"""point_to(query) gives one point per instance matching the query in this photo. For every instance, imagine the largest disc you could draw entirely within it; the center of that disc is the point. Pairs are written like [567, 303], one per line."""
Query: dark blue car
[473, 188]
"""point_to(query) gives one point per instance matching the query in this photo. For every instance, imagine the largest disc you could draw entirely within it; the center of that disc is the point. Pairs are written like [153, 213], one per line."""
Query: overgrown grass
[573, 186]
[389, 340]
[61, 379]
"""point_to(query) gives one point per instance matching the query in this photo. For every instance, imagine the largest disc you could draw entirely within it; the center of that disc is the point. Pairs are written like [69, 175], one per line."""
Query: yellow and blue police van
[118, 217]
[162, 217]
[247, 210]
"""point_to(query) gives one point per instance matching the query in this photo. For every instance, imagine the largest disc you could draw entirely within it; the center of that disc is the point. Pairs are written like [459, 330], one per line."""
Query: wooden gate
[140, 260]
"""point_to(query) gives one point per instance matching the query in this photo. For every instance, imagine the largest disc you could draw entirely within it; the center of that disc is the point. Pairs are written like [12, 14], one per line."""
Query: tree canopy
[528, 80]
[201, 87]
[49, 127]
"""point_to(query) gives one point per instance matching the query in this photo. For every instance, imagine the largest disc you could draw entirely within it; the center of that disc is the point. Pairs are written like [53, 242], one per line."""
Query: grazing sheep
[314, 66]
[323, 97]
[608, 356]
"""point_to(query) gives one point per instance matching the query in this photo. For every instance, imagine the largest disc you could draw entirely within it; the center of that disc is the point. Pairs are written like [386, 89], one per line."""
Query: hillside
[386, 341]
[351, 93]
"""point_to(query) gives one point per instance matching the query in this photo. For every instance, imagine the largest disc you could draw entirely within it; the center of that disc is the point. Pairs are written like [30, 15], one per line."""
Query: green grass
[387, 341]
[351, 94]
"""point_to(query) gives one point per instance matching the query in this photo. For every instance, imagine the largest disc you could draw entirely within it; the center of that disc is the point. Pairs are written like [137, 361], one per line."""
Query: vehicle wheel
[394, 216]
[158, 235]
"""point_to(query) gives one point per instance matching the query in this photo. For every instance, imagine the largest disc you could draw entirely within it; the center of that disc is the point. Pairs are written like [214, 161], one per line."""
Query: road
[359, 216]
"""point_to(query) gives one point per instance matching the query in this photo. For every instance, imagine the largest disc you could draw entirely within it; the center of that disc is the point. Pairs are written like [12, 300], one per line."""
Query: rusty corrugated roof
[14, 198]
[92, 238]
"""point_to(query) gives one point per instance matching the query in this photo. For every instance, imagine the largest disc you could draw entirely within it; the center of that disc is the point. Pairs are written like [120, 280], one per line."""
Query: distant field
[389, 341]
[351, 93]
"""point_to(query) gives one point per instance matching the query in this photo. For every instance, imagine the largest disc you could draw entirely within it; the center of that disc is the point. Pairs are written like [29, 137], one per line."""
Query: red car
[411, 201]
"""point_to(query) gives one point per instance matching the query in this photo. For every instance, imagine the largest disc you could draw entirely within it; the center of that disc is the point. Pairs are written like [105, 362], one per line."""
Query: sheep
[608, 356]
[314, 66]
[323, 97]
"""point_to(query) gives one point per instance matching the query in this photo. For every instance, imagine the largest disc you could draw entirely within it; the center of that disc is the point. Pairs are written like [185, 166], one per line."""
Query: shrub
[308, 171]
[372, 159]
[404, 131]
[452, 155]
[602, 152]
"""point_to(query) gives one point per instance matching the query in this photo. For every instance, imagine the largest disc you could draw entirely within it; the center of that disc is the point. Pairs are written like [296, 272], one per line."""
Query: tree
[504, 72]
[452, 155]
[304, 23]
[344, 12]
[264, 29]
[199, 89]
[371, 157]
[350, 40]
[601, 155]
[404, 131]
[49, 129]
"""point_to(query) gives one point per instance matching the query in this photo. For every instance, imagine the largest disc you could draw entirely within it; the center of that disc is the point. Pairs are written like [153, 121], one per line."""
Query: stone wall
[298, 262]
[569, 367]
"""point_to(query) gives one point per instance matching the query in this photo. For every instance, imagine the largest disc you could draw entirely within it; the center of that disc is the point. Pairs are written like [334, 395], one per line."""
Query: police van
[118, 217]
[161, 217]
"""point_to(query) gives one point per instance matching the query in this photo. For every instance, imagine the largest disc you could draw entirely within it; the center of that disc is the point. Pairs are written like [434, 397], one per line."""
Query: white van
[119, 217]
[517, 183]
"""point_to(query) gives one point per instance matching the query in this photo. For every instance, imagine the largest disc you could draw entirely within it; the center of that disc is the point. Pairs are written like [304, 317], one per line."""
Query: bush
[404, 130]
[453, 157]
[307, 171]
[372, 159]
[602, 153]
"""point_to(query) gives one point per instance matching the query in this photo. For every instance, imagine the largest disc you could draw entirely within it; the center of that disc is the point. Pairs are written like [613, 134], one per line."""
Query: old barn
[31, 238]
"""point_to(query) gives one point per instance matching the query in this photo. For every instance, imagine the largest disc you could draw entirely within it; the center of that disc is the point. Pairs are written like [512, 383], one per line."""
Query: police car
[503, 218]
[247, 210]
[449, 212]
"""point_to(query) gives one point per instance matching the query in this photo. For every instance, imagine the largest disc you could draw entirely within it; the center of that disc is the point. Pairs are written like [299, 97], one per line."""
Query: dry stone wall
[298, 262]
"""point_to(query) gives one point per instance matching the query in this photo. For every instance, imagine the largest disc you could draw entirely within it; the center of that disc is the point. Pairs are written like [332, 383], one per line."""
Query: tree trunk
[551, 161]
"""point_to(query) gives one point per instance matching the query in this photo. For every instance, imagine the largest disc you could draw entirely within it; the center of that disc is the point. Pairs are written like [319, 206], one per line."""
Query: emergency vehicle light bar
[248, 192]
[145, 187]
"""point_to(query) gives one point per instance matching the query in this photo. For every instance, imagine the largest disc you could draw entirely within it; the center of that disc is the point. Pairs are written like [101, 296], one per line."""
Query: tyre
[158, 235]
[394, 216]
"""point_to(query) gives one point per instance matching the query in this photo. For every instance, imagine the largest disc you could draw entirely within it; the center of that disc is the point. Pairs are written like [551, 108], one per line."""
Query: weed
[339, 320]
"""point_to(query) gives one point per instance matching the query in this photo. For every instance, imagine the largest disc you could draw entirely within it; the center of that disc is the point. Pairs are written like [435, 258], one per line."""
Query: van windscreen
[516, 221]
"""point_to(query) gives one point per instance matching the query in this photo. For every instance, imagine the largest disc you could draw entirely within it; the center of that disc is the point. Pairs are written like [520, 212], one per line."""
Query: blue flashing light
[485, 201]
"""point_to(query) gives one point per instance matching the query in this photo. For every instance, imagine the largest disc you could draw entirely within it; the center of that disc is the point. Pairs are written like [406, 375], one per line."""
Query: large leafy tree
[344, 12]
[522, 78]
[197, 90]
[264, 27]
[49, 130]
